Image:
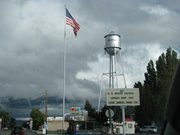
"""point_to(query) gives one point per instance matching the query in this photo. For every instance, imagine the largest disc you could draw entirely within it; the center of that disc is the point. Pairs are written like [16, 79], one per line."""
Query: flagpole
[64, 79]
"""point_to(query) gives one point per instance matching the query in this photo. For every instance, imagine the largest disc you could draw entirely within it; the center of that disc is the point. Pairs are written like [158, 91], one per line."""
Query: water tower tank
[112, 43]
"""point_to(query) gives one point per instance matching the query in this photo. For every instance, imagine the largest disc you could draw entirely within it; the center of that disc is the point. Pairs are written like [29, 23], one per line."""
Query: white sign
[122, 97]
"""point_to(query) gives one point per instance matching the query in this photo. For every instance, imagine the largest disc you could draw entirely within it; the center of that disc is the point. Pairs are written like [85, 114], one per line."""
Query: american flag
[72, 22]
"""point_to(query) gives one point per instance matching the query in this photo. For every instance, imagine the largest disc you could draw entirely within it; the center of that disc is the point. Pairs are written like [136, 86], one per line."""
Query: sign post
[123, 117]
[122, 97]
[109, 113]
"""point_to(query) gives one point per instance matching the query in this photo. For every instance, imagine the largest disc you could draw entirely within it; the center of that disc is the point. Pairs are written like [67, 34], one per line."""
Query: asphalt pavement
[8, 132]
[28, 132]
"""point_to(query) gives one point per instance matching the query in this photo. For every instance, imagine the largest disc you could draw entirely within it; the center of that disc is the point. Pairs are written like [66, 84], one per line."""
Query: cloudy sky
[32, 43]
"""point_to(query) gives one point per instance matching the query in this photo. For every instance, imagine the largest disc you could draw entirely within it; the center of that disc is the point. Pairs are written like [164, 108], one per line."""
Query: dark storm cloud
[28, 59]
[32, 49]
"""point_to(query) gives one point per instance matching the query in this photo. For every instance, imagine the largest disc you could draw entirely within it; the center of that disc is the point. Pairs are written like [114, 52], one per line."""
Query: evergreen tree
[166, 66]
[102, 118]
[139, 110]
[154, 91]
[91, 111]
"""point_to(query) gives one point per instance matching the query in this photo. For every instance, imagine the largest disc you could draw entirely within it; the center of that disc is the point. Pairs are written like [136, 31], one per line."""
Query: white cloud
[156, 10]
[133, 60]
[135, 64]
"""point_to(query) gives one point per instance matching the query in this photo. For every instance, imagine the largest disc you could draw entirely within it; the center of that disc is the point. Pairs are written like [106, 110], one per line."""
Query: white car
[148, 129]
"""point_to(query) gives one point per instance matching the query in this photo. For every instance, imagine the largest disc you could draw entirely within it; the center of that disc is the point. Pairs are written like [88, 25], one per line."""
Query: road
[30, 133]
[147, 134]
[8, 132]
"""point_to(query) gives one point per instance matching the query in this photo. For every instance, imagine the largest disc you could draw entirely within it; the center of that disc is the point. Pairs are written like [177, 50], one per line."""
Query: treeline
[155, 88]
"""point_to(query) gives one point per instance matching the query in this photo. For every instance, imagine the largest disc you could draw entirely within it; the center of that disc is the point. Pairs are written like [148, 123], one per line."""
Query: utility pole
[46, 100]
[45, 121]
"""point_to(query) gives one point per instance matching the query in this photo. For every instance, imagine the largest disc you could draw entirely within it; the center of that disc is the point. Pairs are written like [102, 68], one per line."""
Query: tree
[139, 110]
[7, 119]
[154, 90]
[102, 118]
[166, 66]
[37, 117]
[91, 111]
[87, 106]
[151, 89]
[12, 123]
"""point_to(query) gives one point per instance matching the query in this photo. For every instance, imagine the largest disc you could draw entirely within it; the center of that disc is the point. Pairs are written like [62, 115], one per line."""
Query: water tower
[112, 47]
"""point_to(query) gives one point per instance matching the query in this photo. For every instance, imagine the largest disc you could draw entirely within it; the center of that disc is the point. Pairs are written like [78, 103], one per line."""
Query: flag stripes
[72, 22]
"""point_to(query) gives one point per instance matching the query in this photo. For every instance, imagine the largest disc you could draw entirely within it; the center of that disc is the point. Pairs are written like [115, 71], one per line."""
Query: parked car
[148, 129]
[17, 131]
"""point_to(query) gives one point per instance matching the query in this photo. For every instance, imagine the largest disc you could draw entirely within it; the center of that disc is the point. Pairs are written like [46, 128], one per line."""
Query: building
[57, 124]
[129, 126]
